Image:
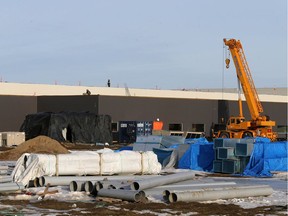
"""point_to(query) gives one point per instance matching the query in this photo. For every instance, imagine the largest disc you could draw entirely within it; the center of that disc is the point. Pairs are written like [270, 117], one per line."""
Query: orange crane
[237, 126]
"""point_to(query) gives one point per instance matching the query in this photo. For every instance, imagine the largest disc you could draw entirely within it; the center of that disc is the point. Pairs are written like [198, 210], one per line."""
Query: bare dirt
[46, 145]
[53, 207]
[40, 144]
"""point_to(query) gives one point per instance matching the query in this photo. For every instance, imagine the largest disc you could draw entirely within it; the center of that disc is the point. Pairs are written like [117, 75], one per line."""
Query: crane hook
[227, 61]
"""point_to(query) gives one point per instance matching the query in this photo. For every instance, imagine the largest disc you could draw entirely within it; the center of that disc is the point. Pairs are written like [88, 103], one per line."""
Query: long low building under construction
[180, 110]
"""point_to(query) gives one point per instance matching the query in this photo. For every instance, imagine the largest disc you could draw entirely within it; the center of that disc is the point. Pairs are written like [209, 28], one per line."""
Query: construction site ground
[55, 207]
[24, 203]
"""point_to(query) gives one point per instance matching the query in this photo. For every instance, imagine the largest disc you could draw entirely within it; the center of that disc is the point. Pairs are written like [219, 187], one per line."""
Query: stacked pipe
[6, 167]
[125, 189]
[175, 187]
[65, 180]
[7, 185]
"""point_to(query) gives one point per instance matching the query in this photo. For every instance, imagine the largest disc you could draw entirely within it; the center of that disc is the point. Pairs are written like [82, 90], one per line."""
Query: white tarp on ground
[30, 166]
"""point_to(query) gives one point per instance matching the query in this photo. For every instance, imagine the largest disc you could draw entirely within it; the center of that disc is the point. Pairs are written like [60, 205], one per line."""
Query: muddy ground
[54, 207]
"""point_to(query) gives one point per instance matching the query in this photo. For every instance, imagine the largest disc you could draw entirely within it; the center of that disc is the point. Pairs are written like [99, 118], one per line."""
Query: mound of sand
[40, 144]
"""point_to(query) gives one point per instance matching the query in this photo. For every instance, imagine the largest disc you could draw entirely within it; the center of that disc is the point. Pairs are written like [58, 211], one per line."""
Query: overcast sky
[164, 44]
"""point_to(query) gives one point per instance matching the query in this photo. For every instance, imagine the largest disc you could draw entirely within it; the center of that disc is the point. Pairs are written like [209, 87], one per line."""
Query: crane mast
[245, 78]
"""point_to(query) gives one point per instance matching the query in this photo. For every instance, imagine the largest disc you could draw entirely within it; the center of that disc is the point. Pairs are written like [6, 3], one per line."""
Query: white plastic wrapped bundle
[130, 162]
[78, 163]
[30, 166]
[150, 164]
[110, 163]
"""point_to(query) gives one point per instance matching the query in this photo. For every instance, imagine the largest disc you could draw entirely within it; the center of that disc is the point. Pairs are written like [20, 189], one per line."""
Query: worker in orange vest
[157, 125]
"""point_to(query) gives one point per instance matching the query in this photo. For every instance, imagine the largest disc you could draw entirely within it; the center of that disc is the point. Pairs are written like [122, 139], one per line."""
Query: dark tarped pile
[72, 127]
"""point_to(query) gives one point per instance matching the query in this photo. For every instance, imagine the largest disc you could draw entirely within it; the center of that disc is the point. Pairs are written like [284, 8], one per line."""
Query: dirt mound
[40, 144]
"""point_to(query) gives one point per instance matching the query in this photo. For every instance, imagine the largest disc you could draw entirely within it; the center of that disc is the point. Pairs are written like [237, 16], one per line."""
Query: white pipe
[227, 193]
[4, 167]
[162, 180]
[6, 179]
[11, 187]
[197, 185]
[65, 180]
[122, 186]
[134, 196]
[3, 172]
[186, 187]
[111, 184]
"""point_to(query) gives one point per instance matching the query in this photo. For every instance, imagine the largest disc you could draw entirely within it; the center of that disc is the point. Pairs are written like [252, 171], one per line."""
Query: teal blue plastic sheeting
[199, 156]
[267, 157]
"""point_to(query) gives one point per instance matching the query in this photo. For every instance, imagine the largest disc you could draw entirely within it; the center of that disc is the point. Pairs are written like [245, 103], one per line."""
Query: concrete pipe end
[98, 186]
[41, 181]
[135, 186]
[138, 197]
[166, 194]
[88, 186]
[172, 197]
[142, 194]
[36, 182]
[73, 186]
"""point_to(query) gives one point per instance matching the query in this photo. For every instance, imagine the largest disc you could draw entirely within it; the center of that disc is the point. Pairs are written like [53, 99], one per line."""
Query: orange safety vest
[157, 125]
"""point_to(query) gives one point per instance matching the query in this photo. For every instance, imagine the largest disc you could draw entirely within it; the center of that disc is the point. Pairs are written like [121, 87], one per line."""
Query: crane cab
[237, 123]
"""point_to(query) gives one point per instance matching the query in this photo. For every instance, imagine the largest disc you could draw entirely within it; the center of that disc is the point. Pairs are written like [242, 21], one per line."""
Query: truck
[237, 126]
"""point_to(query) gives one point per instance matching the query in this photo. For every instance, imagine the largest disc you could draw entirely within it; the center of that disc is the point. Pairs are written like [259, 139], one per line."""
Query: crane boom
[237, 126]
[245, 78]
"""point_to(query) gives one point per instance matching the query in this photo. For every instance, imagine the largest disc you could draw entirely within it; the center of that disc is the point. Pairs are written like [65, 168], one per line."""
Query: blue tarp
[199, 156]
[124, 148]
[267, 157]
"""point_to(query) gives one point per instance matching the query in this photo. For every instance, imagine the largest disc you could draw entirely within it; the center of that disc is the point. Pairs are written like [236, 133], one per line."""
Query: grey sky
[166, 44]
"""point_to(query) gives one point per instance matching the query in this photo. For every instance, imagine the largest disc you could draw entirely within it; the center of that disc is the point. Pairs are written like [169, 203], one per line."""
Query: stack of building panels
[147, 143]
[231, 155]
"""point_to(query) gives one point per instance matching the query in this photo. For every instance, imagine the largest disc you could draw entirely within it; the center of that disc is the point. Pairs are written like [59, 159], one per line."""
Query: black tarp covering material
[72, 127]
